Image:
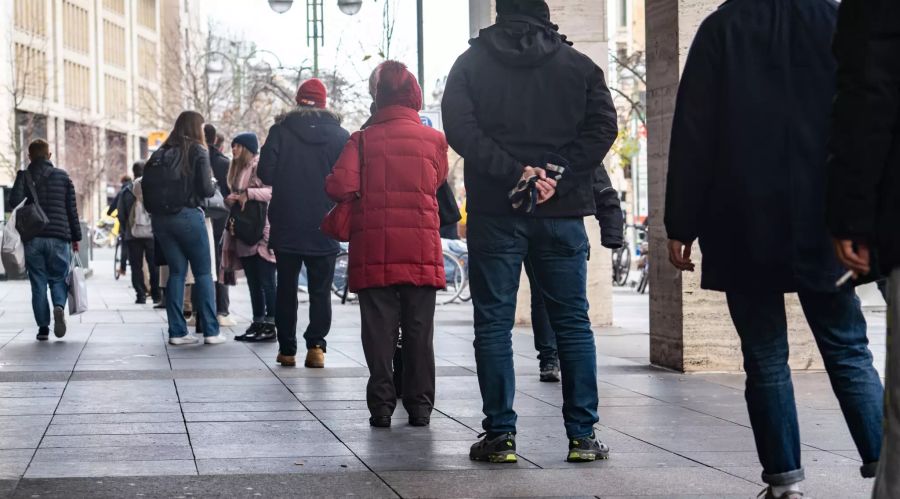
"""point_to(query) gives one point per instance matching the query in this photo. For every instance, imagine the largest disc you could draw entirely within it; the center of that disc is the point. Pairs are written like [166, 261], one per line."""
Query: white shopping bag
[12, 248]
[78, 300]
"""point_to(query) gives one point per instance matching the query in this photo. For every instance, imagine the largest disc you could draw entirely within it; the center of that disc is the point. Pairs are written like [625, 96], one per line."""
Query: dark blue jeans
[544, 336]
[183, 239]
[839, 328]
[261, 281]
[47, 261]
[557, 249]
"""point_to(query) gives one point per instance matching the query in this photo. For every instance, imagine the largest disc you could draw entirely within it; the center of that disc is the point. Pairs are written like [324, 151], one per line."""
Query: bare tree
[28, 86]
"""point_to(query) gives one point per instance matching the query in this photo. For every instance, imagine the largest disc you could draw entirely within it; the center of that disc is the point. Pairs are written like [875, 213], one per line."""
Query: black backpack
[31, 219]
[165, 189]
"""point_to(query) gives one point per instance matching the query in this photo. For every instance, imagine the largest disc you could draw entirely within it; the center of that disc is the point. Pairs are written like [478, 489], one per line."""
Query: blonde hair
[238, 164]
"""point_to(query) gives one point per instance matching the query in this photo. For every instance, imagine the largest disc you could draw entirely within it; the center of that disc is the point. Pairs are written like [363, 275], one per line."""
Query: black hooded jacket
[299, 153]
[519, 92]
[56, 195]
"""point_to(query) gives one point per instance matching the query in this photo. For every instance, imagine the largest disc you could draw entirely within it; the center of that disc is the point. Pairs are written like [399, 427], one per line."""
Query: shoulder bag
[31, 219]
[336, 223]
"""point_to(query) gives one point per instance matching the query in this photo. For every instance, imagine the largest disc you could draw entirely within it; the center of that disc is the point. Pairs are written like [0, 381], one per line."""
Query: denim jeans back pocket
[569, 236]
[491, 234]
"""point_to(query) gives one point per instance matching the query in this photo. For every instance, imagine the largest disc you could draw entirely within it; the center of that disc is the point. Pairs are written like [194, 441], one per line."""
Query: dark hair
[137, 169]
[39, 149]
[209, 133]
[220, 140]
[188, 130]
[124, 178]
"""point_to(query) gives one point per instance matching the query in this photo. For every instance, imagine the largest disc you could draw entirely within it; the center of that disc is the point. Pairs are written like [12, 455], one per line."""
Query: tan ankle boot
[286, 360]
[315, 357]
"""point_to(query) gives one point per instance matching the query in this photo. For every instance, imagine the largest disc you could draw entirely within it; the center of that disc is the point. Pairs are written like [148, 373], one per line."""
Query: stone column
[690, 329]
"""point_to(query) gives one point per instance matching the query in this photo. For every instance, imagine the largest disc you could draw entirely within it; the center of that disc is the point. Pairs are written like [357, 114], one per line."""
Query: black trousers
[222, 299]
[320, 273]
[382, 309]
[261, 281]
[138, 249]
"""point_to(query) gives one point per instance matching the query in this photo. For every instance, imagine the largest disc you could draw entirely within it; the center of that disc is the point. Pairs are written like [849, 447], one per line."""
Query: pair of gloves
[524, 196]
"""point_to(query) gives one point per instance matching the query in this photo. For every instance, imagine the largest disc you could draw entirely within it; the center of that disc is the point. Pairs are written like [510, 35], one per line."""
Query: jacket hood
[312, 125]
[521, 41]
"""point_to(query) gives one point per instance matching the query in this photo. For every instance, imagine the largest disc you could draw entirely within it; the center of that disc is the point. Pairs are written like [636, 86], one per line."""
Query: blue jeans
[839, 328]
[557, 249]
[544, 337]
[47, 261]
[183, 239]
[261, 281]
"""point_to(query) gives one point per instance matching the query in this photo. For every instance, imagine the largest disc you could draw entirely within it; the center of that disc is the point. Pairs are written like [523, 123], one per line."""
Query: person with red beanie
[299, 153]
[391, 172]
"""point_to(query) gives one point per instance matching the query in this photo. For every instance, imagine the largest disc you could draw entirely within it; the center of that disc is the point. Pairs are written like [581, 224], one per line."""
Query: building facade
[87, 75]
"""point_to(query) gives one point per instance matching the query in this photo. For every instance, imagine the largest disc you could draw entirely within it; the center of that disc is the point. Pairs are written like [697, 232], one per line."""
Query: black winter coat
[748, 148]
[300, 151]
[56, 195]
[220, 165]
[519, 92]
[864, 166]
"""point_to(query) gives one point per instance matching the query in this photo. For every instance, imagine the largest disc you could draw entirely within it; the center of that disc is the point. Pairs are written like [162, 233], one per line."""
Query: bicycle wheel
[456, 279]
[341, 275]
[465, 294]
[621, 263]
[117, 258]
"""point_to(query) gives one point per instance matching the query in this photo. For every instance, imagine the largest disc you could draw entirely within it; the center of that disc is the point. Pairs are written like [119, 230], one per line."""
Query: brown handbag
[336, 223]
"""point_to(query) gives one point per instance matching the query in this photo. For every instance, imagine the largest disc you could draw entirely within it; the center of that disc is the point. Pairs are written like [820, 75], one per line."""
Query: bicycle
[621, 264]
[117, 257]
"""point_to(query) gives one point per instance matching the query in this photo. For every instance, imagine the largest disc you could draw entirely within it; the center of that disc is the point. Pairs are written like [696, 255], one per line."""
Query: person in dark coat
[48, 255]
[299, 153]
[747, 177]
[864, 179]
[519, 94]
[612, 224]
[220, 164]
[125, 183]
[138, 247]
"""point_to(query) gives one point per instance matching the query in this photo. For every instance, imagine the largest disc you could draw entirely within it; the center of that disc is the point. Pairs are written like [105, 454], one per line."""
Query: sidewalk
[112, 411]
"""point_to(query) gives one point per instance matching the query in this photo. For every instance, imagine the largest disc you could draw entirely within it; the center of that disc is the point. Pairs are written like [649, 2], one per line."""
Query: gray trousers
[887, 485]
[382, 310]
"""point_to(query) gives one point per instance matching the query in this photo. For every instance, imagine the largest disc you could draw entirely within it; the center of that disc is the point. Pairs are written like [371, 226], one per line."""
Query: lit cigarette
[844, 278]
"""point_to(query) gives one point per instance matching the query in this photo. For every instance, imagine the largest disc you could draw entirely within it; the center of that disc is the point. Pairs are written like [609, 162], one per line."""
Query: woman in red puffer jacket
[394, 168]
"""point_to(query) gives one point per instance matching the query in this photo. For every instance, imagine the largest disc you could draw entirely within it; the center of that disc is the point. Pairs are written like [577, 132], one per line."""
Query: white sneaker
[226, 321]
[215, 340]
[190, 339]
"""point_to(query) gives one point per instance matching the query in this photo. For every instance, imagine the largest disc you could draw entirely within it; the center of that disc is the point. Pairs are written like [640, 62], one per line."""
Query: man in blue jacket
[299, 153]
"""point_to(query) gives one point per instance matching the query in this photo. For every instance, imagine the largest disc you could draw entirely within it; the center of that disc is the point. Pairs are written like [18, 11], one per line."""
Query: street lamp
[350, 7]
[281, 6]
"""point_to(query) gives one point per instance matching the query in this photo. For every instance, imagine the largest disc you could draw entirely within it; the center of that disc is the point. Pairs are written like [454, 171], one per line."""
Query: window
[113, 44]
[77, 85]
[31, 71]
[148, 106]
[117, 6]
[116, 101]
[76, 28]
[31, 16]
[623, 13]
[146, 13]
[147, 61]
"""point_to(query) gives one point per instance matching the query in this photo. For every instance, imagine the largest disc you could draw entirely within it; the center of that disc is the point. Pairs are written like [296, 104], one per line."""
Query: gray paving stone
[115, 428]
[31, 389]
[191, 407]
[115, 440]
[13, 463]
[199, 417]
[120, 418]
[260, 432]
[71, 469]
[268, 466]
[22, 432]
[292, 448]
[235, 393]
[22, 406]
[428, 461]
[695, 438]
[133, 452]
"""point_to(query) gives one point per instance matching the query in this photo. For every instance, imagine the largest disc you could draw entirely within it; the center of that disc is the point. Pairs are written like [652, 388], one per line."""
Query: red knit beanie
[312, 93]
[396, 86]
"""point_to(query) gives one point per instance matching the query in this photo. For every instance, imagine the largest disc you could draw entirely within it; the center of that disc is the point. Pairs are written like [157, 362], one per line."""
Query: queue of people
[533, 172]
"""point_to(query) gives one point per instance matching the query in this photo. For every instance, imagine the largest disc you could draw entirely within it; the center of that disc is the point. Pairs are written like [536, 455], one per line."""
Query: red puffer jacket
[394, 237]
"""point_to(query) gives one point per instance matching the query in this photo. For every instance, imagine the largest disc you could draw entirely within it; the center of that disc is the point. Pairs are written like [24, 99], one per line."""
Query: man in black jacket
[48, 255]
[140, 246]
[299, 153]
[517, 95]
[864, 179]
[220, 164]
[747, 177]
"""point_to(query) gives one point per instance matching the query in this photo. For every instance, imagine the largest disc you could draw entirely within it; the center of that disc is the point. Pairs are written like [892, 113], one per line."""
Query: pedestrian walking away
[864, 179]
[48, 251]
[299, 152]
[390, 173]
[246, 239]
[530, 157]
[137, 232]
[220, 165]
[177, 178]
[747, 178]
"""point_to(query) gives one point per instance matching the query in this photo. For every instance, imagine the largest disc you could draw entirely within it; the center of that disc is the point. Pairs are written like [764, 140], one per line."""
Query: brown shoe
[286, 360]
[315, 357]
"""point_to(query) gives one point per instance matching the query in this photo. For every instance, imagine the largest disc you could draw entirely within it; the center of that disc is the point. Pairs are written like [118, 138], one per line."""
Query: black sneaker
[140, 300]
[587, 449]
[500, 449]
[550, 372]
[266, 332]
[251, 332]
[419, 421]
[59, 322]
[43, 334]
[380, 421]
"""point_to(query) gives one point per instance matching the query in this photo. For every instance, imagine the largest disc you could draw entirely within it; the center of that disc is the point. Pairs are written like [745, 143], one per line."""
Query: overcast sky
[348, 39]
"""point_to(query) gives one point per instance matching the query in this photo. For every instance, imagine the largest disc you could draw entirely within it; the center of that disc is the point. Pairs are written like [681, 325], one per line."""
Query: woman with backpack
[177, 180]
[246, 238]
[390, 174]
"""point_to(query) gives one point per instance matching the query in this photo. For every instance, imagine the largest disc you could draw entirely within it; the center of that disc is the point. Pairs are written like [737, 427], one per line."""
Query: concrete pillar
[690, 329]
